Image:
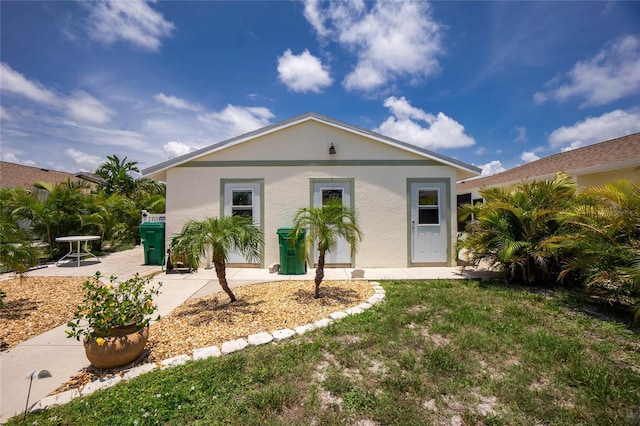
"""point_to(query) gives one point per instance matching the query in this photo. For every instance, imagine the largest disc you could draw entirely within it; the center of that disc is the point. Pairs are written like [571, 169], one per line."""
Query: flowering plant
[106, 307]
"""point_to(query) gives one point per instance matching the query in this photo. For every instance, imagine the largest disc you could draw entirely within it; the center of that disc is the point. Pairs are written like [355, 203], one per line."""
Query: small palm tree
[514, 228]
[326, 225]
[222, 236]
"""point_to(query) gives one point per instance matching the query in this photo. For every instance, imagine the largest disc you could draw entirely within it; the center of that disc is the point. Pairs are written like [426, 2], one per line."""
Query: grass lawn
[440, 352]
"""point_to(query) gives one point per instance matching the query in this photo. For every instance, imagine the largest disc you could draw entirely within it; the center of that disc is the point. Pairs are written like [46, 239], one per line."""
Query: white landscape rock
[354, 310]
[233, 346]
[100, 384]
[324, 322]
[208, 352]
[136, 371]
[364, 306]
[304, 328]
[260, 338]
[176, 360]
[285, 333]
[58, 399]
[338, 315]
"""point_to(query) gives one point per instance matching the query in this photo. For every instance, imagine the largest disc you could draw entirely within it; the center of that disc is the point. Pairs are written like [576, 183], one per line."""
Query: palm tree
[17, 251]
[222, 236]
[54, 209]
[514, 229]
[118, 175]
[326, 225]
[605, 244]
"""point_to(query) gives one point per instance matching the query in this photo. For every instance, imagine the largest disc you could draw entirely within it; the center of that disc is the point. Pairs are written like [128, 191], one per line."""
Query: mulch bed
[38, 304]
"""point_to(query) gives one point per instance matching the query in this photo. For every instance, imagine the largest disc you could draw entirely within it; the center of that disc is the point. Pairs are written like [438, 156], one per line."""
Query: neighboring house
[405, 196]
[592, 165]
[20, 176]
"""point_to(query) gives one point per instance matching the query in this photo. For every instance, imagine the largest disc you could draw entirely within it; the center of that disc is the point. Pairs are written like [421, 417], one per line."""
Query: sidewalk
[64, 357]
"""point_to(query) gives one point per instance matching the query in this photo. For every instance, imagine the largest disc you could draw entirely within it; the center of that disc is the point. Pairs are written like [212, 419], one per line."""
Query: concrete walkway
[64, 357]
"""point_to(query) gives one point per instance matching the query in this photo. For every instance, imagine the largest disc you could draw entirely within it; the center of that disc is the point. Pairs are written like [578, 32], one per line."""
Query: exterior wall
[598, 179]
[379, 194]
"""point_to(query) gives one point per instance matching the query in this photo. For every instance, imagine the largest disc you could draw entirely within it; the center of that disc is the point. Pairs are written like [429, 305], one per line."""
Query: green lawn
[433, 352]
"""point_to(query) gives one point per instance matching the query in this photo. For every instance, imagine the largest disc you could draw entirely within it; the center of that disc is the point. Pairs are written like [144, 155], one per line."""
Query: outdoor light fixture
[332, 149]
[39, 374]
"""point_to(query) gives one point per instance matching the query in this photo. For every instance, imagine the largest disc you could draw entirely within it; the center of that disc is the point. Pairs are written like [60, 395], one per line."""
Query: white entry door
[242, 199]
[323, 192]
[428, 223]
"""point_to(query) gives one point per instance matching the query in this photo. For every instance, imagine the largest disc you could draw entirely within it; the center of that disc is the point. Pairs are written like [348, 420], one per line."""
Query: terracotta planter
[117, 350]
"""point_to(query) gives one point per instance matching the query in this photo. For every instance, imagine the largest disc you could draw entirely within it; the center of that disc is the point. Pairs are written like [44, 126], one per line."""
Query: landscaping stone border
[211, 351]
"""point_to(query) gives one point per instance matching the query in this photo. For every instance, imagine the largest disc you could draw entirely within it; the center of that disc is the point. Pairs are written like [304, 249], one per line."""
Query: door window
[329, 195]
[242, 203]
[428, 207]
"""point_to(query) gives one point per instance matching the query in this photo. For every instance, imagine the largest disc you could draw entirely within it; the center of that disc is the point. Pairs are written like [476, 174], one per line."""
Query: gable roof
[20, 176]
[604, 156]
[159, 170]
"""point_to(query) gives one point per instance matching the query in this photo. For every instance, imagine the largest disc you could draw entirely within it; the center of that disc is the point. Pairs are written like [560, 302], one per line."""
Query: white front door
[323, 192]
[242, 199]
[428, 223]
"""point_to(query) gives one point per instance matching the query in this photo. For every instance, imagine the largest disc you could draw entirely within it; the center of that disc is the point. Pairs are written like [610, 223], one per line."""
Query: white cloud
[132, 21]
[612, 74]
[235, 120]
[14, 82]
[390, 39]
[528, 156]
[404, 124]
[174, 102]
[176, 149]
[303, 73]
[491, 168]
[85, 162]
[521, 134]
[481, 151]
[596, 129]
[85, 107]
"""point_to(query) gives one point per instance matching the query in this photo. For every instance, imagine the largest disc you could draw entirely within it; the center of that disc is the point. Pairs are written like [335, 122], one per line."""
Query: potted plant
[113, 319]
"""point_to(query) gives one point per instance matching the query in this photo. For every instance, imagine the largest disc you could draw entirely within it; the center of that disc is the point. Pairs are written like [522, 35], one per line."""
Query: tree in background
[605, 242]
[53, 210]
[17, 253]
[118, 175]
[222, 236]
[325, 225]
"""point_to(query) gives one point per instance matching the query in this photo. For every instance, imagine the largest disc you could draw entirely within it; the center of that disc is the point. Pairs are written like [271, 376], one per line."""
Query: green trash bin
[152, 236]
[292, 256]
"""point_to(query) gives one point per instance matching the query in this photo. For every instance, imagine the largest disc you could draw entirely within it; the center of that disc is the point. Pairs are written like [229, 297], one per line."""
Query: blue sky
[495, 84]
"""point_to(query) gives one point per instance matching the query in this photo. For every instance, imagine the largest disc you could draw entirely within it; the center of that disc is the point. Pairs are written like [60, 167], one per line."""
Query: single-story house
[405, 196]
[592, 165]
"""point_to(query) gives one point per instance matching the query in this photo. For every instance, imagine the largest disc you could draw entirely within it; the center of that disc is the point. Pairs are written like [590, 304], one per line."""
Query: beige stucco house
[405, 196]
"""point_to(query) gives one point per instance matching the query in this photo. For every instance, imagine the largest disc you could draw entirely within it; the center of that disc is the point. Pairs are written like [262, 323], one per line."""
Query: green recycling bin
[152, 236]
[292, 256]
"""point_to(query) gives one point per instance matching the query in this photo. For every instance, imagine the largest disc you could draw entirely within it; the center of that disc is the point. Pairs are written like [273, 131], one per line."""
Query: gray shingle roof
[623, 151]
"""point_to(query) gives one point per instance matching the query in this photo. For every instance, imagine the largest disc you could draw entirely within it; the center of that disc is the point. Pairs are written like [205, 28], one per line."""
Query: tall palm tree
[222, 236]
[326, 225]
[118, 175]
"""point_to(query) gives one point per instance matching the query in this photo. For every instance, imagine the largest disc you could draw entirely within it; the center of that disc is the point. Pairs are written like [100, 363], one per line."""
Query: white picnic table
[81, 251]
